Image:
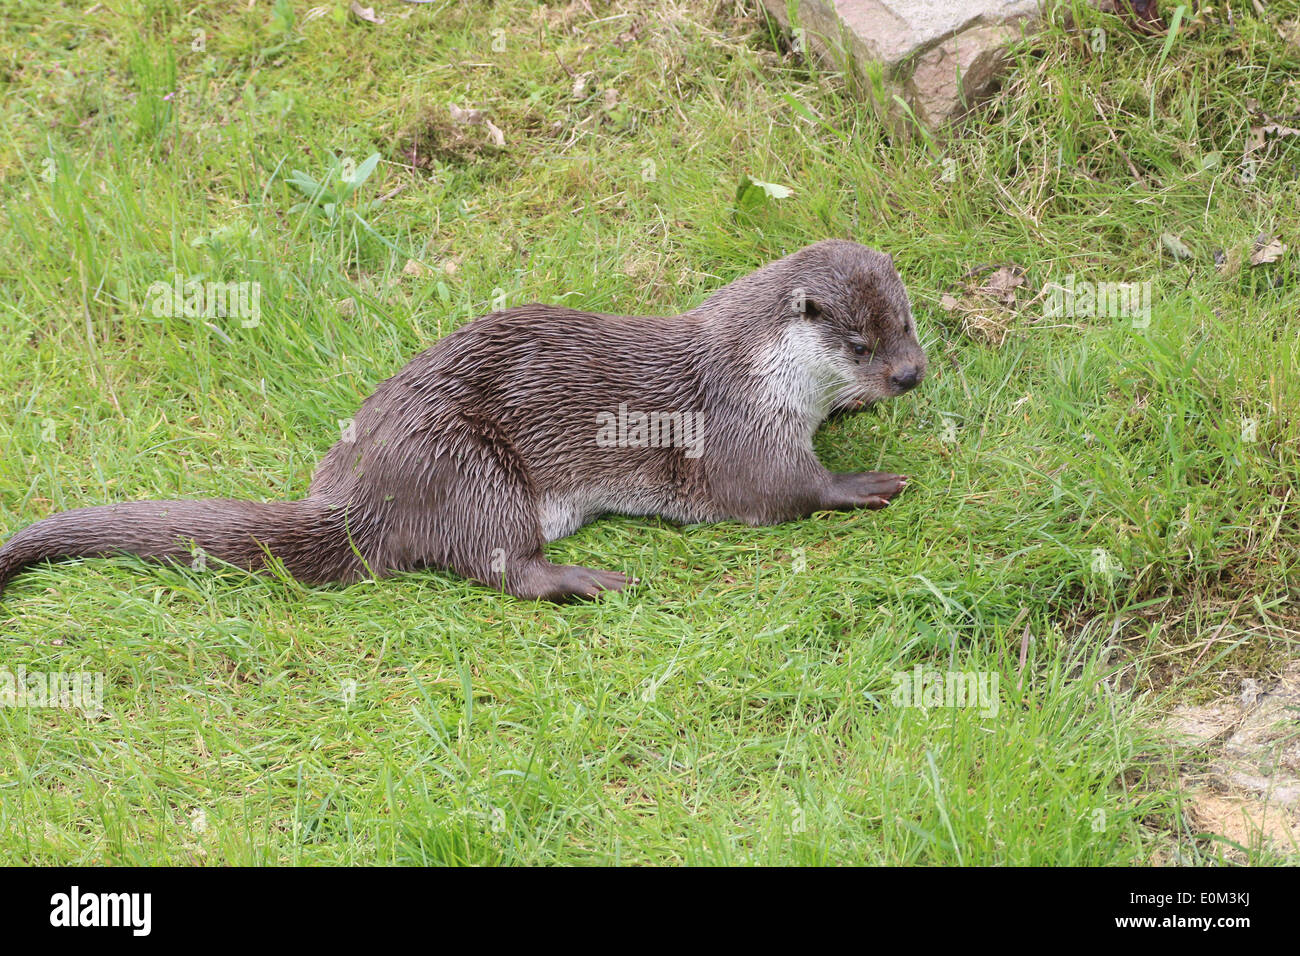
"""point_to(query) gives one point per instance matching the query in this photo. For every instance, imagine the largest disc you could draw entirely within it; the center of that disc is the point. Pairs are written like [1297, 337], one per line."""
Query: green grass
[736, 706]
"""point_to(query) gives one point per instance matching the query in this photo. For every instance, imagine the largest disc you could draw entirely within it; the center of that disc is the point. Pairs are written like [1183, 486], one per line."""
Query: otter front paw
[865, 489]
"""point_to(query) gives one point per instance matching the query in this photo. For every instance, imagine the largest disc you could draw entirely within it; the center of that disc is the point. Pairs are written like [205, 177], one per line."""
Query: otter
[523, 425]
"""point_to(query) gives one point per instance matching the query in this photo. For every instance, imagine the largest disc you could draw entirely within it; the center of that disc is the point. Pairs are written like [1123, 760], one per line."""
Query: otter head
[852, 314]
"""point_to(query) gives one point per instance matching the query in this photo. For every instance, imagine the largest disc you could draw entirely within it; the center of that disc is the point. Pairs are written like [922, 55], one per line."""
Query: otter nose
[906, 377]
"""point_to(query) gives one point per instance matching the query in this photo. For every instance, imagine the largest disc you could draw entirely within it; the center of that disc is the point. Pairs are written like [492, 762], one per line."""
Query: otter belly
[561, 515]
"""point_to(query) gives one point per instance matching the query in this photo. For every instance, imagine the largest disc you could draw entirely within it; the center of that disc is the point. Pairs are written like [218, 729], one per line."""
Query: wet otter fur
[488, 445]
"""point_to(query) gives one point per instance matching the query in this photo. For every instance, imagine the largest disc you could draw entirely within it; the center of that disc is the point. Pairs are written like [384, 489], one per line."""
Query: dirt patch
[986, 302]
[435, 136]
[1249, 792]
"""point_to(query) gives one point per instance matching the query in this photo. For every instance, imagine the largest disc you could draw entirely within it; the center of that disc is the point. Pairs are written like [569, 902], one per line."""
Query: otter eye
[859, 348]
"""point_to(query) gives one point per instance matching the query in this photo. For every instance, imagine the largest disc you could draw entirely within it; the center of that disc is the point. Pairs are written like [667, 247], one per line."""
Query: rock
[958, 73]
[939, 56]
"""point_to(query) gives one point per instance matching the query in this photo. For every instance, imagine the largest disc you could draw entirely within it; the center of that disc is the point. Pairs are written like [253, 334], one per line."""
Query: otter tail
[310, 536]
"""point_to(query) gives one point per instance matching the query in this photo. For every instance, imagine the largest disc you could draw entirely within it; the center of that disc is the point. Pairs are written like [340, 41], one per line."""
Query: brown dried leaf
[476, 118]
[1002, 284]
[365, 13]
[1266, 250]
[1277, 129]
[465, 117]
[631, 34]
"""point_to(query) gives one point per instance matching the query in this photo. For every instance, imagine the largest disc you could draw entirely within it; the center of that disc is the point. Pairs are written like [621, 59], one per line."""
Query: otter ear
[807, 308]
[802, 306]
